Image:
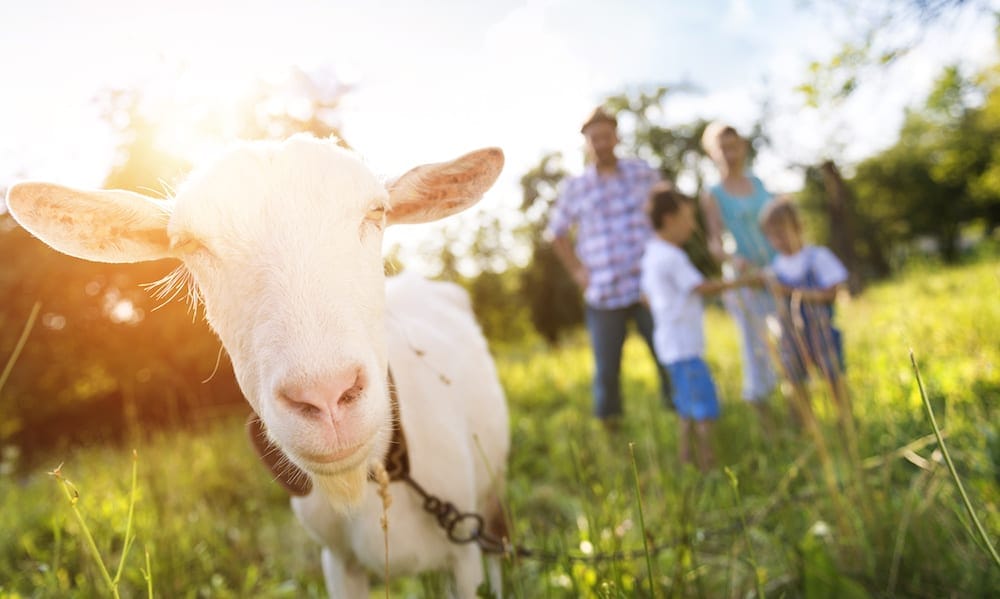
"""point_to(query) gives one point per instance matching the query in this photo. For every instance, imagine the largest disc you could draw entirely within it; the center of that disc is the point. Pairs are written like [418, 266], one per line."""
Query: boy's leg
[607, 334]
[644, 322]
[684, 440]
[706, 458]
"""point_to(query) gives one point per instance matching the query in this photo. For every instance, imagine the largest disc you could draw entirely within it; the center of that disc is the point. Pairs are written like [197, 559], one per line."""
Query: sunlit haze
[431, 80]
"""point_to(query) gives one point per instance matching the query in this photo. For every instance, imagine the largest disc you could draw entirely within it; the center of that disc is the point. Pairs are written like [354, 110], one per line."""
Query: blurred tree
[864, 255]
[840, 213]
[476, 252]
[881, 32]
[984, 187]
[552, 297]
[302, 101]
[141, 163]
[936, 178]
[878, 35]
[672, 150]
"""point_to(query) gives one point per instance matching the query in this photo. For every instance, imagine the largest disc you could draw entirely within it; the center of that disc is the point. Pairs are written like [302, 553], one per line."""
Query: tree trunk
[840, 208]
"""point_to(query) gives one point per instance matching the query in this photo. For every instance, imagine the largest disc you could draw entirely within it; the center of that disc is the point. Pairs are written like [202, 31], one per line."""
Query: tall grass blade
[73, 496]
[735, 484]
[28, 325]
[148, 575]
[951, 465]
[129, 534]
[642, 522]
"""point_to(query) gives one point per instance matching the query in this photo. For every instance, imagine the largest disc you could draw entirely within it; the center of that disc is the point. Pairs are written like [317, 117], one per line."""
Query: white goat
[283, 241]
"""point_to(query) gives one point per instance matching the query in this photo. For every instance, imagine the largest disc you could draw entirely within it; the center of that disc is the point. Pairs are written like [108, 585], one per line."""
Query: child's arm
[825, 295]
[820, 296]
[717, 286]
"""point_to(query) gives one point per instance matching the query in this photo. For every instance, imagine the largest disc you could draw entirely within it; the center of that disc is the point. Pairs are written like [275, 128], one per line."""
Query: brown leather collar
[296, 481]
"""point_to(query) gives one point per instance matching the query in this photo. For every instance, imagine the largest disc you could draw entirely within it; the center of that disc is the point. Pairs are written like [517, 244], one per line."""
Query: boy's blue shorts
[693, 390]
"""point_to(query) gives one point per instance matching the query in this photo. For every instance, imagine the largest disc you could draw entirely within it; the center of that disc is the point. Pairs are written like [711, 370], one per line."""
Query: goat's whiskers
[178, 283]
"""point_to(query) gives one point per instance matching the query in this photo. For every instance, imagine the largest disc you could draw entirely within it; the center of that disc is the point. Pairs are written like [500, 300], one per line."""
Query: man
[605, 207]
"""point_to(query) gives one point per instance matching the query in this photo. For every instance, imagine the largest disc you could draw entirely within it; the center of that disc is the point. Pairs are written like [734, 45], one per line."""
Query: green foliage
[99, 360]
[215, 525]
[552, 297]
[141, 165]
[935, 179]
[672, 150]
[195, 492]
[875, 228]
[880, 33]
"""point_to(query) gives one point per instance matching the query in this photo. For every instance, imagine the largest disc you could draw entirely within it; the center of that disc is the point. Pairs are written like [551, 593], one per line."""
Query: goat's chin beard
[343, 490]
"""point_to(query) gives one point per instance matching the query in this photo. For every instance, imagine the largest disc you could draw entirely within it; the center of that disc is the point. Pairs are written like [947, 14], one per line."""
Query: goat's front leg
[468, 572]
[343, 579]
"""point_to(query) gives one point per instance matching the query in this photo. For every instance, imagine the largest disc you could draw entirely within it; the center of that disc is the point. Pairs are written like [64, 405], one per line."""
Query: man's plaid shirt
[611, 228]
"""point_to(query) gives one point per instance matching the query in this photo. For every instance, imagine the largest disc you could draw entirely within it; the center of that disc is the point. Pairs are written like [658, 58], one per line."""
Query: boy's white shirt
[668, 281]
[827, 268]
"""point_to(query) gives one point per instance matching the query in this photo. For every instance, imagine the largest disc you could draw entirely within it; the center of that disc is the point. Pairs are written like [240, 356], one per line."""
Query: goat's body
[454, 416]
[283, 241]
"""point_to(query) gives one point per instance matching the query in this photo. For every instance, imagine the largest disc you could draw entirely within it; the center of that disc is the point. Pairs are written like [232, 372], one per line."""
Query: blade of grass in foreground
[734, 483]
[642, 522]
[73, 496]
[129, 533]
[951, 465]
[147, 574]
[28, 325]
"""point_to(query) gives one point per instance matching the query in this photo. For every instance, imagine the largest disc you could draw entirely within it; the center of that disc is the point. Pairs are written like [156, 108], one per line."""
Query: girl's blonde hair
[779, 210]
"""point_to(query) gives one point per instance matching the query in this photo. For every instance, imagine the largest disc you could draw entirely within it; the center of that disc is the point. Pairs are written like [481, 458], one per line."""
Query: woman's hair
[777, 211]
[710, 137]
[664, 200]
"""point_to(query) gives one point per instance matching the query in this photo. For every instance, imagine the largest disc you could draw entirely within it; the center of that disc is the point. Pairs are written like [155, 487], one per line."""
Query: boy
[674, 288]
[806, 280]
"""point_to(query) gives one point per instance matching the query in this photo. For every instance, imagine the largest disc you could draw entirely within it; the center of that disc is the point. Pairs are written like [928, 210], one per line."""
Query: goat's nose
[324, 398]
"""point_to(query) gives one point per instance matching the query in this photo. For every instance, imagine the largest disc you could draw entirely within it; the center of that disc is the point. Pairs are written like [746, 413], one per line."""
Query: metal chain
[452, 521]
[461, 527]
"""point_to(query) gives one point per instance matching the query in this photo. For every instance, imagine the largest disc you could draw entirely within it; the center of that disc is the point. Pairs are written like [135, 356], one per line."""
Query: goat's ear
[434, 191]
[102, 226]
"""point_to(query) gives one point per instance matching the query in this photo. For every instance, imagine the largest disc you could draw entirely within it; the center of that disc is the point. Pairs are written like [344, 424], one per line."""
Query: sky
[433, 79]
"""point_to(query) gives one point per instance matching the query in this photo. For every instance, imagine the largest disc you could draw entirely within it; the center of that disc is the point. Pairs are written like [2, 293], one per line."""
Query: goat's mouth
[338, 461]
[340, 476]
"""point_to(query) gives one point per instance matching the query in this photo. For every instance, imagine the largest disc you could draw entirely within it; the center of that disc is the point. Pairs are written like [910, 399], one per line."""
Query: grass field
[778, 517]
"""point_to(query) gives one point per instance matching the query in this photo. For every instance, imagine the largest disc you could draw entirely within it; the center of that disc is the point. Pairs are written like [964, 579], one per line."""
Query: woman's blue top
[739, 216]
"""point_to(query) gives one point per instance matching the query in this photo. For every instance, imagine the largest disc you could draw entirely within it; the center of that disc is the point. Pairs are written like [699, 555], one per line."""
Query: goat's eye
[182, 245]
[376, 215]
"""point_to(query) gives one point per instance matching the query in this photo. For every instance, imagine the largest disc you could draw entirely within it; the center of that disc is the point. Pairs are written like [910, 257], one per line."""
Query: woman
[732, 207]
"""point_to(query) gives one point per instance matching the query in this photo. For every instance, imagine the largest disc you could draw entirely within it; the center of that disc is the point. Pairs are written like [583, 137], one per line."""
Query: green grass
[213, 525]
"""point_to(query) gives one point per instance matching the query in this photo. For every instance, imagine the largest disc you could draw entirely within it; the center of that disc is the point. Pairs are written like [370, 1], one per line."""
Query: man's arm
[563, 248]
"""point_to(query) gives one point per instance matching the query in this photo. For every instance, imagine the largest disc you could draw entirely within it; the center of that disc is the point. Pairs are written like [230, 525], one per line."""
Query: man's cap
[599, 115]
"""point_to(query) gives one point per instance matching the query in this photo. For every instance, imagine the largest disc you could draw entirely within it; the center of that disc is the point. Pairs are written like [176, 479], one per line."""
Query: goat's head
[283, 241]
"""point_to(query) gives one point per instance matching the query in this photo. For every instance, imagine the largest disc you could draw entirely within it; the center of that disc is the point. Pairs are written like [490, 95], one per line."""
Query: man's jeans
[607, 336]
